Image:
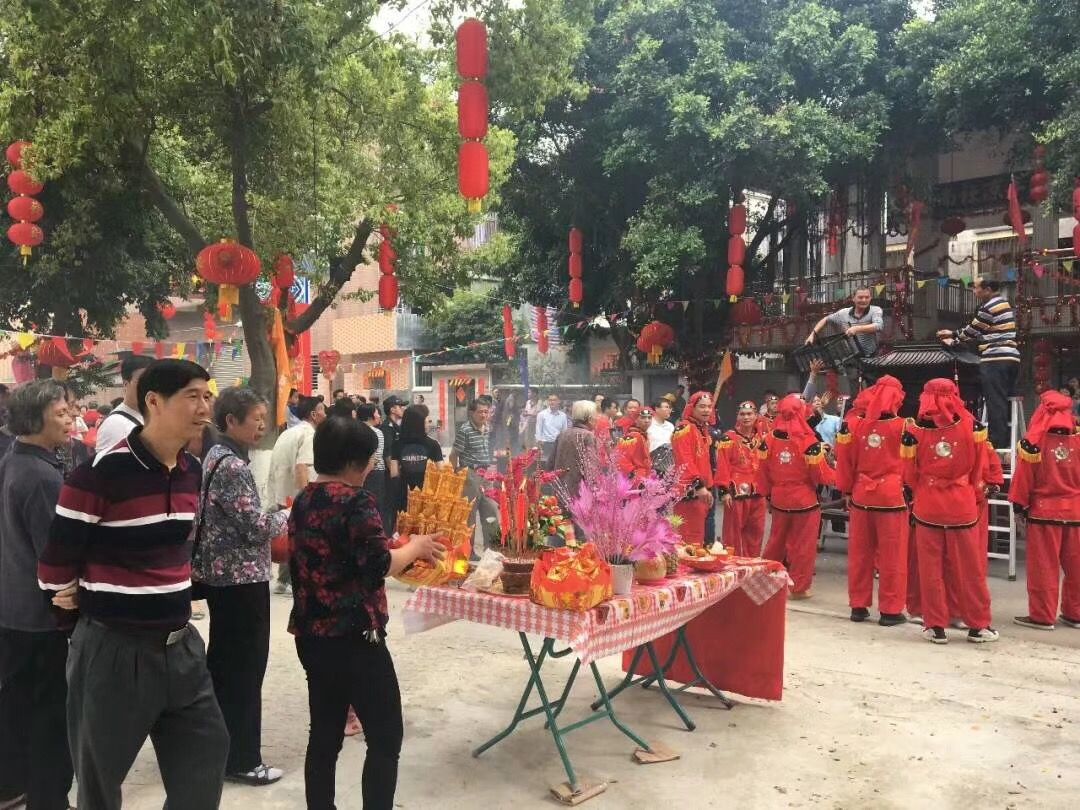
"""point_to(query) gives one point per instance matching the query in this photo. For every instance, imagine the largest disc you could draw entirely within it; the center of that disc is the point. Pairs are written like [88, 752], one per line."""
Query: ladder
[1002, 521]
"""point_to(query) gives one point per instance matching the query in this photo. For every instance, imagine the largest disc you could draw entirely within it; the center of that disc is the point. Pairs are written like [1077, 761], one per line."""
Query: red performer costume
[690, 444]
[744, 507]
[792, 468]
[944, 463]
[1046, 488]
[632, 451]
[869, 472]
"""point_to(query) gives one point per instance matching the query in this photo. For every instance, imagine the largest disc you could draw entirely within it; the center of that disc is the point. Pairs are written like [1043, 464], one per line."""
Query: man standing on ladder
[862, 323]
[993, 330]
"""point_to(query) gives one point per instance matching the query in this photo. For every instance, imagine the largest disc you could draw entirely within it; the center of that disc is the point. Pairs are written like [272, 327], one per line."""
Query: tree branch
[763, 233]
[341, 270]
[164, 202]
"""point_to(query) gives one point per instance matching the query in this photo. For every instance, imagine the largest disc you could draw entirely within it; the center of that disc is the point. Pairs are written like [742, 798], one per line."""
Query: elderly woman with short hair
[231, 562]
[575, 445]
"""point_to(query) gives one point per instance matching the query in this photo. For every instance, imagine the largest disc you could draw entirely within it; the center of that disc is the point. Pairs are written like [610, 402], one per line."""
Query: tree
[685, 104]
[468, 323]
[290, 127]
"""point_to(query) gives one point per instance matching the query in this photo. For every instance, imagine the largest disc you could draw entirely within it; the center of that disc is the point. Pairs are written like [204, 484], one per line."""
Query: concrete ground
[871, 718]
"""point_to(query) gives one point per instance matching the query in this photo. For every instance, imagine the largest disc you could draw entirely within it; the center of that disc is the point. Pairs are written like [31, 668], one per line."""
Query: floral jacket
[232, 533]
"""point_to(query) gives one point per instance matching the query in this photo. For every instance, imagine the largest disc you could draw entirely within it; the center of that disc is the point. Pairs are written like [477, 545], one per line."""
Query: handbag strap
[196, 541]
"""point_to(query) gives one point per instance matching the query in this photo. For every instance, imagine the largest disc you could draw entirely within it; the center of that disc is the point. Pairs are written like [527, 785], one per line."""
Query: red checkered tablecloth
[621, 623]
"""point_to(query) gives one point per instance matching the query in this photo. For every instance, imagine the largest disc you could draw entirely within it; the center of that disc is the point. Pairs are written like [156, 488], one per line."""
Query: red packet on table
[570, 579]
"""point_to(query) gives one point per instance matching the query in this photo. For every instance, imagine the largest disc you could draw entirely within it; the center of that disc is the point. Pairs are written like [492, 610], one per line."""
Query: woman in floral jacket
[231, 563]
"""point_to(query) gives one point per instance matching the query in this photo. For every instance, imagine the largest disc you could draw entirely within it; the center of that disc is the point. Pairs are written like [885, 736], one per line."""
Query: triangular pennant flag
[25, 340]
[685, 304]
[921, 284]
[1068, 265]
[943, 281]
[879, 289]
[180, 351]
[1038, 270]
[212, 385]
[785, 297]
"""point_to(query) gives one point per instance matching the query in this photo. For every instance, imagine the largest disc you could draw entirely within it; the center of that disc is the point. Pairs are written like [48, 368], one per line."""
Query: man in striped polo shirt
[993, 331]
[120, 551]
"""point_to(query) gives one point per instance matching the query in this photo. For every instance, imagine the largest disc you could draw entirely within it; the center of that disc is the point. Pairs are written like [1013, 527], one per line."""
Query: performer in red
[1046, 489]
[869, 472]
[792, 468]
[690, 445]
[744, 508]
[764, 422]
[945, 462]
[632, 451]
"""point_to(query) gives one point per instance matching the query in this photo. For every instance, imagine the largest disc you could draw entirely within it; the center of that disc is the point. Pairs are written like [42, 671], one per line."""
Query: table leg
[629, 680]
[520, 713]
[683, 642]
[610, 712]
[662, 683]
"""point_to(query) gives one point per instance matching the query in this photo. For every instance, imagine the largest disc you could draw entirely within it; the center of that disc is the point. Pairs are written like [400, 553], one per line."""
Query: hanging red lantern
[474, 179]
[388, 292]
[387, 257]
[577, 240]
[328, 362]
[210, 329]
[25, 209]
[736, 250]
[1040, 178]
[737, 220]
[167, 310]
[735, 283]
[953, 226]
[577, 292]
[576, 267]
[1044, 346]
[231, 266]
[541, 330]
[472, 49]
[26, 235]
[655, 337]
[284, 272]
[1076, 240]
[14, 153]
[56, 353]
[473, 111]
[746, 313]
[508, 332]
[20, 182]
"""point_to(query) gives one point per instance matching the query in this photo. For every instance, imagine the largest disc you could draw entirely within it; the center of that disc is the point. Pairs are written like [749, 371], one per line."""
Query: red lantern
[14, 153]
[1076, 197]
[541, 330]
[26, 235]
[746, 313]
[577, 240]
[328, 362]
[472, 49]
[387, 257]
[508, 332]
[167, 310]
[210, 327]
[576, 268]
[952, 226]
[1039, 193]
[1044, 346]
[22, 183]
[231, 266]
[577, 292]
[25, 209]
[57, 354]
[284, 272]
[736, 251]
[654, 338]
[388, 291]
[737, 220]
[472, 111]
[474, 179]
[736, 282]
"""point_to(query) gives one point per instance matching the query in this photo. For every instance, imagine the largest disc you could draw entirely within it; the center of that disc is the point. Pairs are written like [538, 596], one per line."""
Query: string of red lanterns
[1040, 178]
[735, 282]
[1076, 215]
[541, 330]
[508, 332]
[474, 179]
[577, 267]
[23, 208]
[388, 283]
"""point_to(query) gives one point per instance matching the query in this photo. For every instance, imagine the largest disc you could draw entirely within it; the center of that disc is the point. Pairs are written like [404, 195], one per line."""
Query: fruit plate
[700, 564]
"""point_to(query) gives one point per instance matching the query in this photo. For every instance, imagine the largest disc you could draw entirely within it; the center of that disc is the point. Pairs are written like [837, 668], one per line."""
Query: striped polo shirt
[122, 531]
[473, 446]
[994, 330]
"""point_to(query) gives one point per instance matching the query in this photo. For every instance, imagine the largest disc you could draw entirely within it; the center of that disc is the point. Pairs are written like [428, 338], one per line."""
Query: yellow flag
[879, 289]
[1068, 265]
[785, 297]
[25, 340]
[212, 385]
[920, 284]
[180, 350]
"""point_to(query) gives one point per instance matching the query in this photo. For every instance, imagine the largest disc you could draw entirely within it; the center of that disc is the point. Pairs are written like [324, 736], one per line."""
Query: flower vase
[622, 578]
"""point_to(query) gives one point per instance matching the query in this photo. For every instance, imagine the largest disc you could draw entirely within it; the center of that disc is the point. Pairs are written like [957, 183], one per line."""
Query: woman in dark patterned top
[340, 559]
[231, 560]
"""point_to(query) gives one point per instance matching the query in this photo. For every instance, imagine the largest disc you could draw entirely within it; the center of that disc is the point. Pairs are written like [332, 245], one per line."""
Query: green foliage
[468, 317]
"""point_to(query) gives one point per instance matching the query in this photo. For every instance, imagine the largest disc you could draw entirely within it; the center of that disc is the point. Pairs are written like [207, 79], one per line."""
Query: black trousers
[343, 672]
[34, 757]
[124, 687]
[998, 378]
[236, 657]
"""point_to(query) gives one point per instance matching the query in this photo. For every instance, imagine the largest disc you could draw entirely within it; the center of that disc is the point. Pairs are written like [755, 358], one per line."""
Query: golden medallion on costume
[943, 449]
[785, 457]
[1061, 453]
[874, 440]
[744, 489]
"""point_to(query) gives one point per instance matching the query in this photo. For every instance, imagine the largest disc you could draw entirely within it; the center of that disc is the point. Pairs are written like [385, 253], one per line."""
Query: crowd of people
[163, 508]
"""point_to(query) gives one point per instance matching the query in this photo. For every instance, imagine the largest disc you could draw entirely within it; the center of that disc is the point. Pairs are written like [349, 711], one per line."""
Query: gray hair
[236, 402]
[29, 403]
[583, 410]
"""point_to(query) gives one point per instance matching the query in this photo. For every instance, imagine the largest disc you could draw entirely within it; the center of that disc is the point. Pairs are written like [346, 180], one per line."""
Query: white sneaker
[983, 636]
[260, 775]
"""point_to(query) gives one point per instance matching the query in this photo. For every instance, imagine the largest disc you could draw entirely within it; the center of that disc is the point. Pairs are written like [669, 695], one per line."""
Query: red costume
[744, 520]
[944, 464]
[793, 467]
[632, 453]
[869, 471]
[691, 444]
[1046, 487]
